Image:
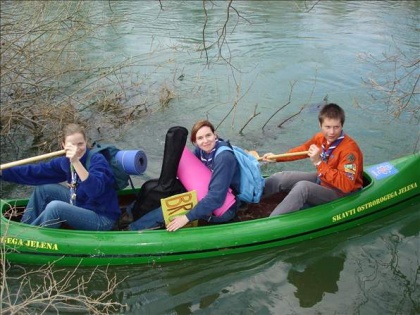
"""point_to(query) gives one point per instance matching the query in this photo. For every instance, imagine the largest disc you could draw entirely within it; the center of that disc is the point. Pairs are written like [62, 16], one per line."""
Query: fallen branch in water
[255, 114]
[282, 107]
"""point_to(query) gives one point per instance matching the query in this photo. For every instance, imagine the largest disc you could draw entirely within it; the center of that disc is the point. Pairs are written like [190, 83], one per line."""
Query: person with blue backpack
[225, 174]
[88, 200]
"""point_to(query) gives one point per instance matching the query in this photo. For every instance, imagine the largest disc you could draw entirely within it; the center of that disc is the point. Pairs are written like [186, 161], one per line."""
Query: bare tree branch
[290, 117]
[255, 114]
[281, 107]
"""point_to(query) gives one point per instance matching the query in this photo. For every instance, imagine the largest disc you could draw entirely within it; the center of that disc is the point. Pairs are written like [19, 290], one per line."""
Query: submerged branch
[255, 114]
[290, 117]
[281, 107]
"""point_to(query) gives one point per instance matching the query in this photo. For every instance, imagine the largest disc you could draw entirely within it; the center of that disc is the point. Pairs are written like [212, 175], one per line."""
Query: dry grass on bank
[41, 289]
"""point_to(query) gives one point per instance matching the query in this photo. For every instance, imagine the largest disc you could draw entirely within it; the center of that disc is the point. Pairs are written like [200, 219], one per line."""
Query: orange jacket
[344, 169]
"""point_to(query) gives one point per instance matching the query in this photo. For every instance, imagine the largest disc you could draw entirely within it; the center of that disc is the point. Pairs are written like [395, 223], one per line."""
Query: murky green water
[369, 270]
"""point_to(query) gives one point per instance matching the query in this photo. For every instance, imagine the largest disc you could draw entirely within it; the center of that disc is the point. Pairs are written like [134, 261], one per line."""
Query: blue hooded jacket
[96, 193]
[225, 174]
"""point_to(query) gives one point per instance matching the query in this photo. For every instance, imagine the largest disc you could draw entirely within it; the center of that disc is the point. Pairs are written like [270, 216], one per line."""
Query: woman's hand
[266, 159]
[71, 152]
[74, 157]
[177, 223]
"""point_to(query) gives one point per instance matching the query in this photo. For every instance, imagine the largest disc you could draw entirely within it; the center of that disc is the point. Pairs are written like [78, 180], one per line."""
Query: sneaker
[124, 220]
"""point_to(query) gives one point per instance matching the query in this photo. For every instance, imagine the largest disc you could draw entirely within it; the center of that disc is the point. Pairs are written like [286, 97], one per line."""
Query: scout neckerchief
[327, 153]
[73, 184]
[207, 158]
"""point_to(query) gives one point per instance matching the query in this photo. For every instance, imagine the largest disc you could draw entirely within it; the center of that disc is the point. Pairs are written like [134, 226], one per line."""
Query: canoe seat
[366, 181]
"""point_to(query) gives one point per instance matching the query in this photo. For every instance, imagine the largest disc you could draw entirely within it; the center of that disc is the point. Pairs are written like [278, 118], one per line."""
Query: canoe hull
[393, 186]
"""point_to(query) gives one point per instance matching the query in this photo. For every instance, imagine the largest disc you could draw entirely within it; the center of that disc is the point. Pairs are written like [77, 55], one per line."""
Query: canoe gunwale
[137, 247]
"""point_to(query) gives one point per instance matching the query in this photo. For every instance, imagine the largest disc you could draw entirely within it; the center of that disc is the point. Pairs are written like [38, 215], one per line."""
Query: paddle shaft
[32, 159]
[272, 157]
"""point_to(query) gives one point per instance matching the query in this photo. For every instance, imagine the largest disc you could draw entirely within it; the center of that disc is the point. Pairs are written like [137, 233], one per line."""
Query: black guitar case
[167, 184]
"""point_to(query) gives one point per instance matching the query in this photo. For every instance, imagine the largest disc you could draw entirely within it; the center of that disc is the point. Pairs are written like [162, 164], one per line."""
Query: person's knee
[286, 180]
[54, 206]
[44, 188]
[273, 183]
[302, 187]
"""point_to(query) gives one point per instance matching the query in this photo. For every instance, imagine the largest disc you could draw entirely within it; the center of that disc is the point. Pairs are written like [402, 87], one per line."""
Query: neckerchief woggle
[327, 153]
[73, 184]
[207, 158]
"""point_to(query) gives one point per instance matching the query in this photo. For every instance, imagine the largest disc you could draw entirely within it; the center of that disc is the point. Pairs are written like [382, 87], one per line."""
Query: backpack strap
[221, 149]
[131, 182]
[90, 153]
[227, 147]
[102, 149]
[95, 148]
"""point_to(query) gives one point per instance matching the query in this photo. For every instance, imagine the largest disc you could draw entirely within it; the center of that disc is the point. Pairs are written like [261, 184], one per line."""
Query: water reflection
[192, 285]
[350, 272]
[316, 279]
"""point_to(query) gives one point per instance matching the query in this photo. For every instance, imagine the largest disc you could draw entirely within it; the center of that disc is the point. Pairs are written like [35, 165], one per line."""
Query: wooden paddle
[272, 157]
[32, 159]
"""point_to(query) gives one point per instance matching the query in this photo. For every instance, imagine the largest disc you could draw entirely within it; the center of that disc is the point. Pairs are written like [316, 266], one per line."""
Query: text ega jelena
[28, 243]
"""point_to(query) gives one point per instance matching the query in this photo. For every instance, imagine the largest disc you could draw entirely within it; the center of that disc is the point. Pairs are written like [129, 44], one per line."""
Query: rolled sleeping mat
[194, 175]
[134, 162]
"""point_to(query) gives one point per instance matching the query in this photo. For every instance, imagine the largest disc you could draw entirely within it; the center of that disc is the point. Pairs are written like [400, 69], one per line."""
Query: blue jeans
[155, 219]
[49, 207]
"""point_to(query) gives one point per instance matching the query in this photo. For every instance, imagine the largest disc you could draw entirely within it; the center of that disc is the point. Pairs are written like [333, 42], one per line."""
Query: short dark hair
[332, 111]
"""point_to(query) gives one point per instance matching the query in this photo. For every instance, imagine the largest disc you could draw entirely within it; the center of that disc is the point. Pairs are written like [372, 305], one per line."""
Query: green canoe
[390, 186]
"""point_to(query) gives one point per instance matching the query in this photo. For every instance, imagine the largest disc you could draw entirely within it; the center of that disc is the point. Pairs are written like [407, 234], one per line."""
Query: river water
[273, 46]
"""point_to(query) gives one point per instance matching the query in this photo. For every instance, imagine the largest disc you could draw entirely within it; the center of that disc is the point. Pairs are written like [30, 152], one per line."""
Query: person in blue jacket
[87, 200]
[225, 174]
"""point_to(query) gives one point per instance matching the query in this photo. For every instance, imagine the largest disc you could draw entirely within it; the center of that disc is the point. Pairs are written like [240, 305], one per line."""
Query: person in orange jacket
[338, 161]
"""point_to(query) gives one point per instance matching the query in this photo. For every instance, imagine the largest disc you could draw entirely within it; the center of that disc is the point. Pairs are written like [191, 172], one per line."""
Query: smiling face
[331, 128]
[78, 140]
[205, 139]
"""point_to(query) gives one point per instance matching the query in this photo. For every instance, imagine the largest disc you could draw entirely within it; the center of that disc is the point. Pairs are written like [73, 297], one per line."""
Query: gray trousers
[304, 191]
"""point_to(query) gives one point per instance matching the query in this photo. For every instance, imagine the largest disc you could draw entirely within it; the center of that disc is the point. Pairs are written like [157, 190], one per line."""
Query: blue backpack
[252, 183]
[109, 151]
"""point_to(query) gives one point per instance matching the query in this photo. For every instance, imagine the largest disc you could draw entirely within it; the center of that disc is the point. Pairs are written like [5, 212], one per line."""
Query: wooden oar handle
[32, 159]
[272, 157]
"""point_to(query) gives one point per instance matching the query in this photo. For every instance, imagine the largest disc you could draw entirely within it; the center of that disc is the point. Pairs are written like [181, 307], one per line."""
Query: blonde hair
[71, 129]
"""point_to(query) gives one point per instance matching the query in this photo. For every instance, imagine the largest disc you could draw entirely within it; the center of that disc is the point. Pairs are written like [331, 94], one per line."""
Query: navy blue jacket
[225, 174]
[96, 193]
